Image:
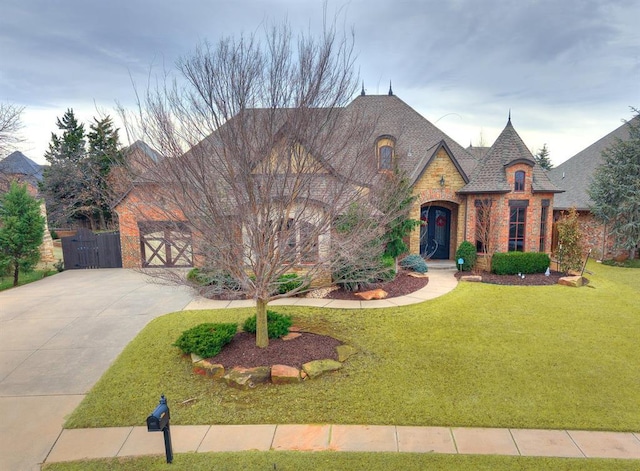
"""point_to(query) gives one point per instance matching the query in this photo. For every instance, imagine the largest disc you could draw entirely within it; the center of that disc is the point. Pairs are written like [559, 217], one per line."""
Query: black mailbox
[159, 418]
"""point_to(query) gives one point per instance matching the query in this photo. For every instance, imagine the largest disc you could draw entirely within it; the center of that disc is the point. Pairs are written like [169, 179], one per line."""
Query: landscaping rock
[208, 368]
[415, 274]
[473, 278]
[373, 294]
[283, 374]
[575, 281]
[195, 358]
[318, 367]
[291, 336]
[247, 378]
[345, 351]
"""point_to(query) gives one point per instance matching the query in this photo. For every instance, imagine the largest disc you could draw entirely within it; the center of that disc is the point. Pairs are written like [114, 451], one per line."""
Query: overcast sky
[567, 69]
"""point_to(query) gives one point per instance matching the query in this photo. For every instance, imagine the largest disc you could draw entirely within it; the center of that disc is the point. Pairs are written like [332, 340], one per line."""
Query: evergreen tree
[398, 200]
[63, 181]
[615, 189]
[542, 158]
[21, 230]
[103, 155]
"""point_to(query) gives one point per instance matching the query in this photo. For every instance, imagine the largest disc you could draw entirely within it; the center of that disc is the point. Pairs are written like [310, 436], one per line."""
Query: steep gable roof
[574, 175]
[490, 175]
[417, 139]
[19, 164]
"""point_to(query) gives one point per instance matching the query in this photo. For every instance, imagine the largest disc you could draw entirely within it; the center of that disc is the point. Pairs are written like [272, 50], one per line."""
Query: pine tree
[615, 189]
[21, 230]
[542, 158]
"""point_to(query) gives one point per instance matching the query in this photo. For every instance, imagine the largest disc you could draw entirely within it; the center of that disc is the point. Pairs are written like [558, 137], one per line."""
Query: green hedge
[512, 263]
[206, 340]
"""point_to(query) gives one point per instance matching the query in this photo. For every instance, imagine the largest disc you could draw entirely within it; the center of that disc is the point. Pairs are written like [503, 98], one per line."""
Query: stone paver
[425, 440]
[545, 443]
[238, 438]
[607, 444]
[363, 438]
[484, 441]
[302, 437]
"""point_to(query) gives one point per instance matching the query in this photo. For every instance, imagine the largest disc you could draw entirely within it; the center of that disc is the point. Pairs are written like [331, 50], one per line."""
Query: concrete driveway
[57, 337]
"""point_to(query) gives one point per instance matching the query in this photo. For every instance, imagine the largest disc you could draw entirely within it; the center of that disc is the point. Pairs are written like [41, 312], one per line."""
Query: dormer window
[519, 181]
[385, 151]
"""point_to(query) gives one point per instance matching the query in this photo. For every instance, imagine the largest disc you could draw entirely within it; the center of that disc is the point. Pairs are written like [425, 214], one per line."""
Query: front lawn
[328, 460]
[548, 357]
[6, 281]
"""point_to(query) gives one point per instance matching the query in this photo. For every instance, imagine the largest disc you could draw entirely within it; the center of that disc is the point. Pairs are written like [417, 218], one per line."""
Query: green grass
[548, 357]
[6, 282]
[283, 461]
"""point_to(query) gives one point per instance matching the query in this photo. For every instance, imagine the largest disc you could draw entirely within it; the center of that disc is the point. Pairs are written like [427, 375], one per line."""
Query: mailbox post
[159, 421]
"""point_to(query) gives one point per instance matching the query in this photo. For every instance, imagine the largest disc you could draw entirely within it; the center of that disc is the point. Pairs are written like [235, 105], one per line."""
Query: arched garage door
[165, 244]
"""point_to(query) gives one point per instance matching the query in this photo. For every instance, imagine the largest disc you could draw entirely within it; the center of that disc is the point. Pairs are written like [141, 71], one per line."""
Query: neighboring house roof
[478, 152]
[490, 175]
[144, 148]
[19, 164]
[575, 174]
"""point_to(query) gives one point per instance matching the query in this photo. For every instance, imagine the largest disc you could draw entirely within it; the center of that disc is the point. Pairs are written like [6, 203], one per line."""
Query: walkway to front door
[435, 232]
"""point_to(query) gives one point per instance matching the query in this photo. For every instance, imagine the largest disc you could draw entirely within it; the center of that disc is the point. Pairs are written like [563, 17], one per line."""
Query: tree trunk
[262, 333]
[16, 271]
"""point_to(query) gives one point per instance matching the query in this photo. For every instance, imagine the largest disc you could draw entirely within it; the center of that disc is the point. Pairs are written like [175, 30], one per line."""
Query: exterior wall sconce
[442, 180]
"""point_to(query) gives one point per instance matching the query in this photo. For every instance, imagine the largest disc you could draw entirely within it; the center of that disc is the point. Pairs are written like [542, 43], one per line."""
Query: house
[574, 176]
[455, 188]
[20, 168]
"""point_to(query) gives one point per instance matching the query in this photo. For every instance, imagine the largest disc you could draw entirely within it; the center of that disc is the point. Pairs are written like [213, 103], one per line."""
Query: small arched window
[385, 151]
[519, 181]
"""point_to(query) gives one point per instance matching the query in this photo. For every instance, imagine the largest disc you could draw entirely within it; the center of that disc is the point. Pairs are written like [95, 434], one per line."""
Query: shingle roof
[490, 175]
[574, 175]
[19, 164]
[417, 139]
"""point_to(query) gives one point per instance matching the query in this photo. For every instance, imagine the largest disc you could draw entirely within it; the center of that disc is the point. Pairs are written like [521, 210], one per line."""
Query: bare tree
[266, 165]
[486, 228]
[10, 126]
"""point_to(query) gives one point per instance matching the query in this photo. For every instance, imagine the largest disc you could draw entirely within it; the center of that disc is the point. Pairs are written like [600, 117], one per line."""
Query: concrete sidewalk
[78, 444]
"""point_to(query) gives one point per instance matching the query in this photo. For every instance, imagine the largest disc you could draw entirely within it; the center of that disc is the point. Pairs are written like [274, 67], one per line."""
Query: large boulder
[247, 378]
[317, 367]
[373, 294]
[208, 368]
[283, 374]
[575, 281]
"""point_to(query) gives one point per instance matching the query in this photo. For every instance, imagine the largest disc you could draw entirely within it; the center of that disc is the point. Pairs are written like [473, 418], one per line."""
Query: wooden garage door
[165, 244]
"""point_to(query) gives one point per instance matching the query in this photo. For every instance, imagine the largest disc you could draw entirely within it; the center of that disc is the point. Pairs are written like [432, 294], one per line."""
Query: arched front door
[435, 232]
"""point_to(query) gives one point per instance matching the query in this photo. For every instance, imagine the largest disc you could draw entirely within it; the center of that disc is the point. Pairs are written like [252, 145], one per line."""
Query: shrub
[512, 263]
[277, 324]
[289, 282]
[414, 262]
[353, 277]
[206, 340]
[219, 279]
[570, 250]
[467, 252]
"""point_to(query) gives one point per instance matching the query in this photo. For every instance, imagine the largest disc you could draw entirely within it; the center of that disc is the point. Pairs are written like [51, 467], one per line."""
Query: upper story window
[519, 181]
[385, 153]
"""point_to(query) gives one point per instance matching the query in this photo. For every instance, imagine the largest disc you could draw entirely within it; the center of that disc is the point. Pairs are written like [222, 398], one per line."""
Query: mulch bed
[242, 351]
[532, 279]
[402, 285]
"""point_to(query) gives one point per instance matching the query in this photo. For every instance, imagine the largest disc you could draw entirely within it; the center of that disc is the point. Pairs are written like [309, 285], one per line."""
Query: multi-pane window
[544, 212]
[517, 225]
[298, 241]
[519, 181]
[386, 157]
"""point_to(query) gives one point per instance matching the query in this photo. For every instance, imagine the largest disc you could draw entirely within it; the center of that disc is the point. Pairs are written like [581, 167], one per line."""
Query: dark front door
[435, 232]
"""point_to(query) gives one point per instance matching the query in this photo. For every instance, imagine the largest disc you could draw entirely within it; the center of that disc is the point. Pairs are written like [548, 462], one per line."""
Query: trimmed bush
[278, 325]
[415, 263]
[219, 279]
[289, 282]
[467, 252]
[206, 340]
[512, 263]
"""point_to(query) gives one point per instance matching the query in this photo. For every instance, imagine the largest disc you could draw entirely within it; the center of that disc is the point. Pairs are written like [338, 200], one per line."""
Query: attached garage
[165, 244]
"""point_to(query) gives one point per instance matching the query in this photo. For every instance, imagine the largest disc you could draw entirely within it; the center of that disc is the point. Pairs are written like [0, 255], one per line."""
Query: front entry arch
[435, 232]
